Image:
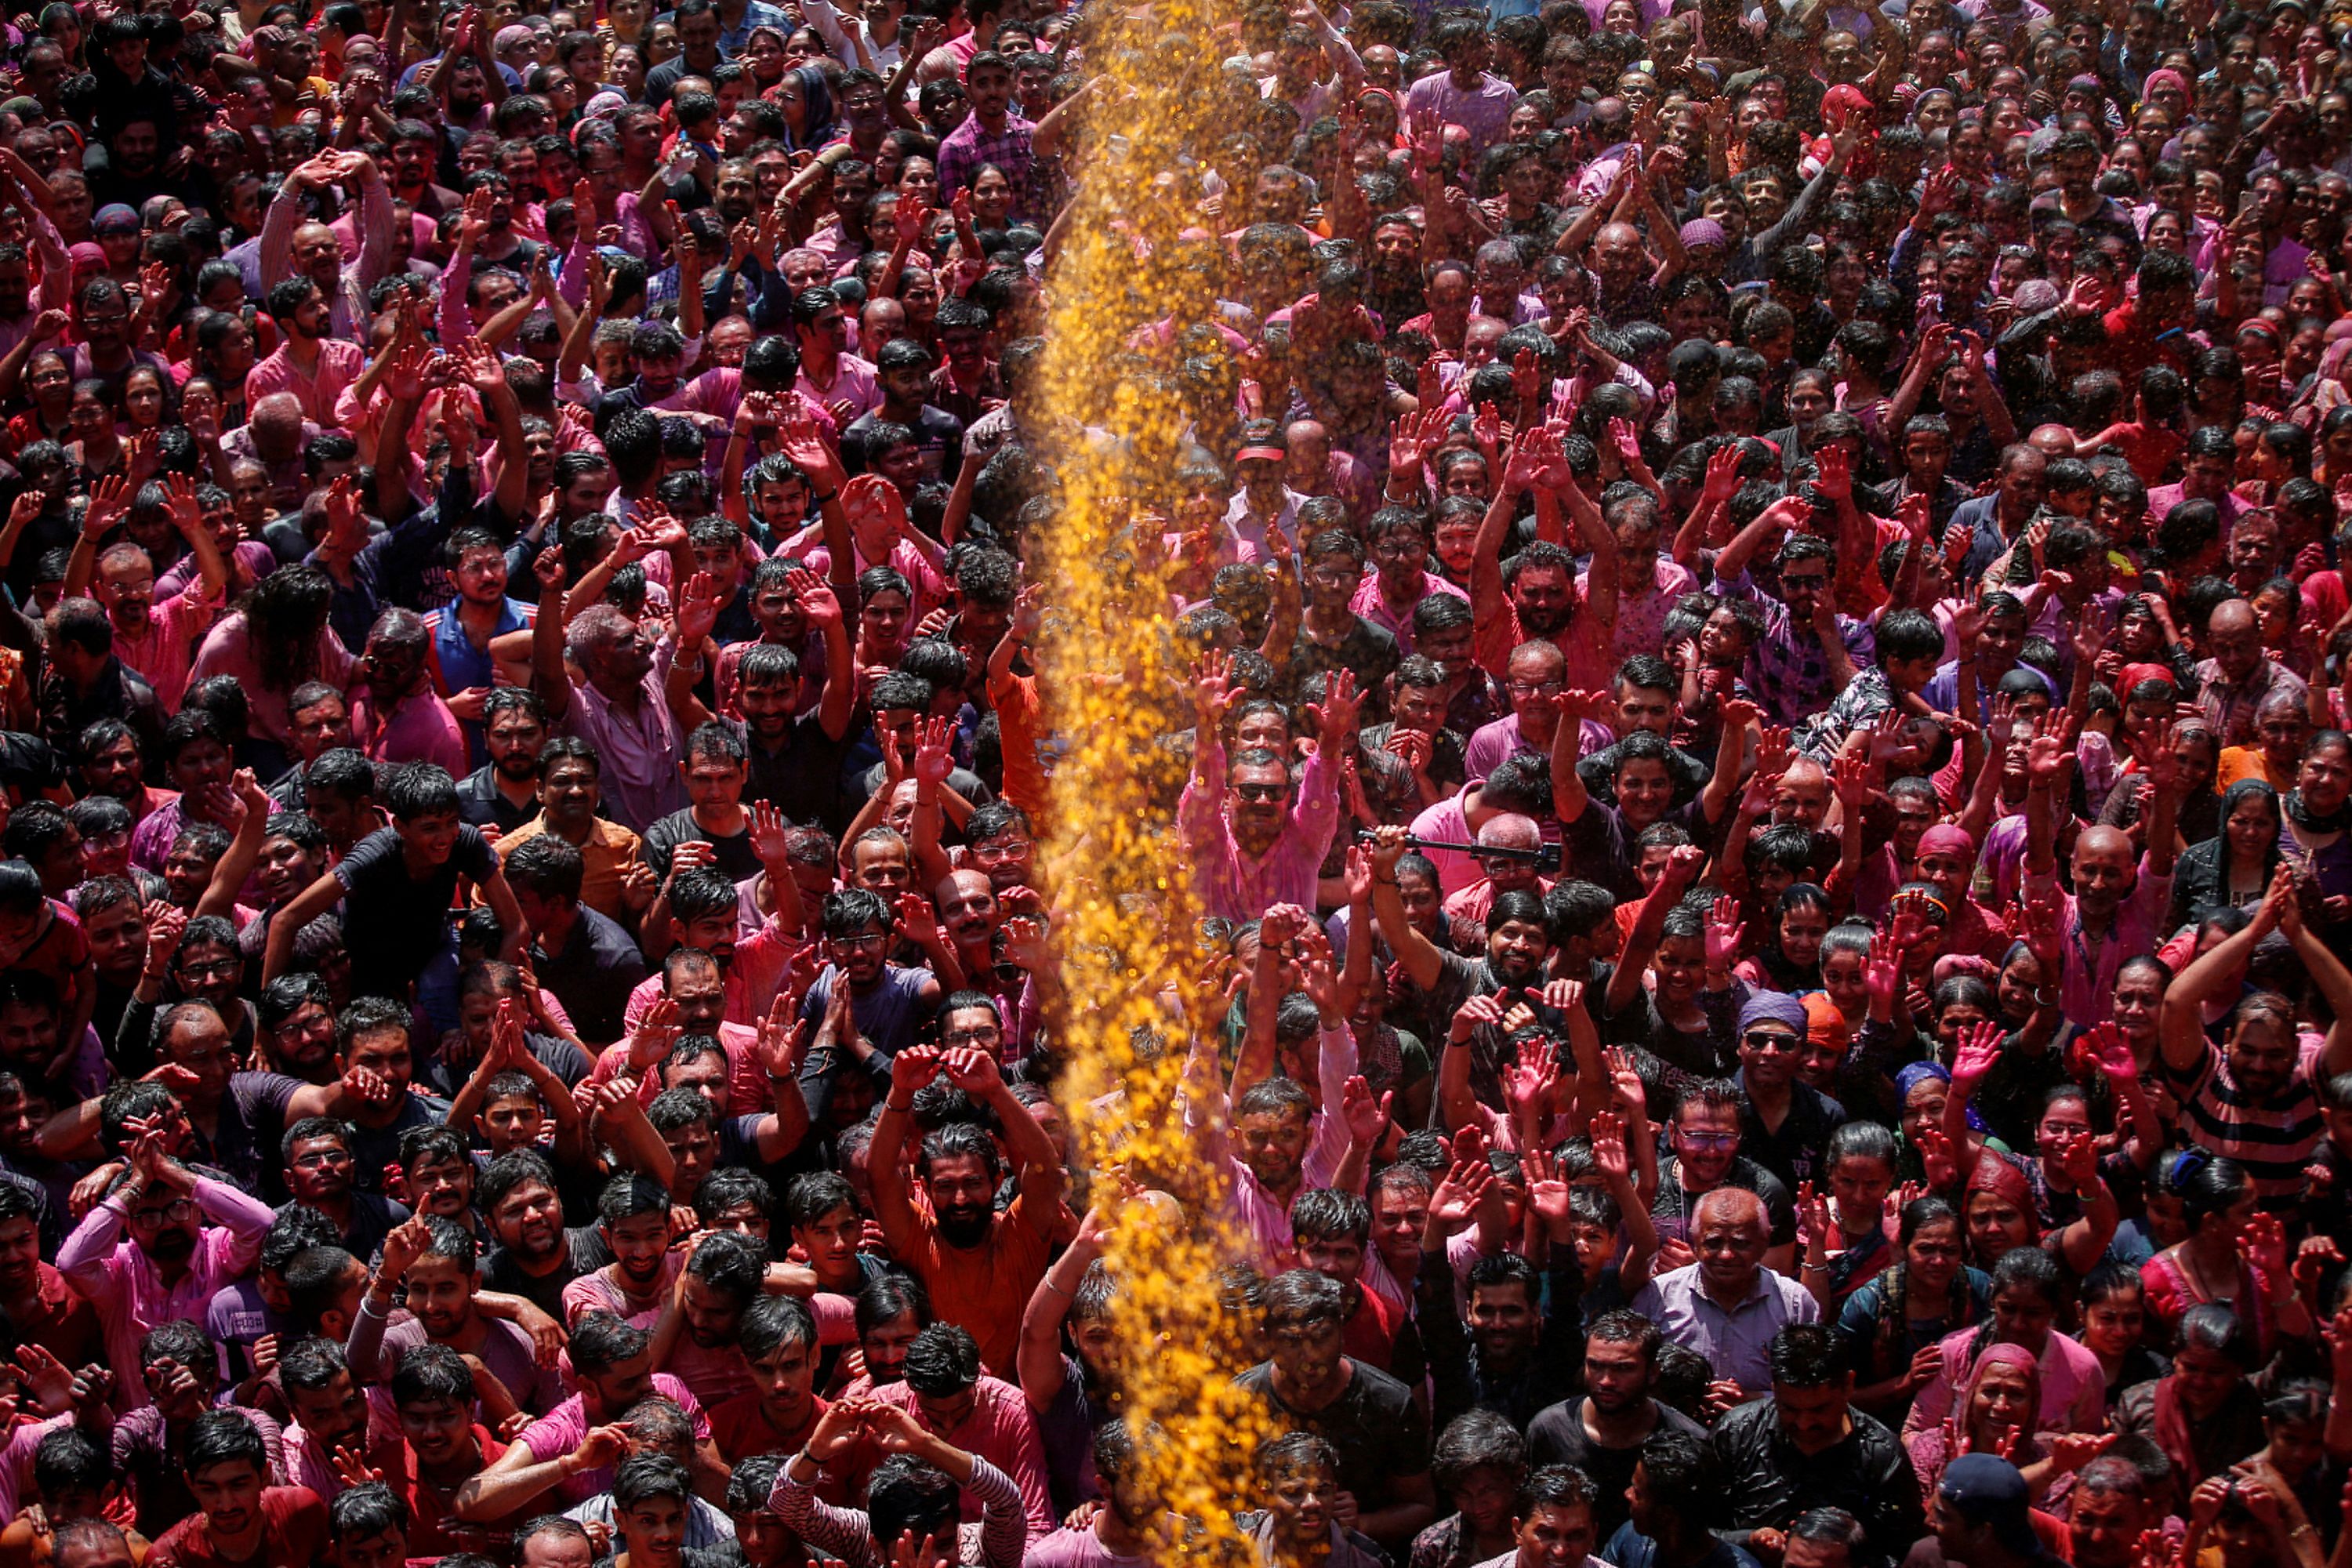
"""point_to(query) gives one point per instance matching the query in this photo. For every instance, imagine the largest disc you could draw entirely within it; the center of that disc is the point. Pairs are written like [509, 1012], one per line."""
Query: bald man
[2239, 677]
[1467, 908]
[2117, 909]
[1729, 1305]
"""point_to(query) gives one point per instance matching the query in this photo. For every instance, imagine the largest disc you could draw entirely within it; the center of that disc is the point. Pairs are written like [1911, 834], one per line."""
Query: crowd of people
[1762, 759]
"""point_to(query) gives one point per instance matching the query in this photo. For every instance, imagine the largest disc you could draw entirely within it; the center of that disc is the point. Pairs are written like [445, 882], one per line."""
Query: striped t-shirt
[2273, 1139]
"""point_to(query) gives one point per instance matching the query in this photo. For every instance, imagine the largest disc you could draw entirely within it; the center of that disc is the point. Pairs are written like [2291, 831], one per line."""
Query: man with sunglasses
[1704, 1142]
[1784, 1123]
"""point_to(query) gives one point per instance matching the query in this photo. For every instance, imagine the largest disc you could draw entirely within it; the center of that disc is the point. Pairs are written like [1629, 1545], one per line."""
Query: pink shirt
[1075, 1549]
[228, 651]
[165, 651]
[2086, 990]
[596, 1293]
[565, 1427]
[1001, 1430]
[1247, 1203]
[1233, 883]
[419, 728]
[1371, 605]
[340, 365]
[2074, 1386]
[128, 1290]
[853, 381]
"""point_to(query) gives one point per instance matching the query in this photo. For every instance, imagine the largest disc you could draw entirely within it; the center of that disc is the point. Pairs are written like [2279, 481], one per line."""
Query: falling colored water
[1114, 678]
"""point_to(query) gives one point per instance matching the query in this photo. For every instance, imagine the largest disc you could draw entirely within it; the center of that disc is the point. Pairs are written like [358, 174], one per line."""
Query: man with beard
[1536, 595]
[292, 247]
[1519, 1353]
[633, 1220]
[615, 881]
[1601, 1431]
[950, 1397]
[297, 1033]
[1256, 836]
[414, 146]
[534, 1256]
[779, 1340]
[113, 762]
[1457, 989]
[696, 1338]
[441, 1447]
[332, 1415]
[963, 1250]
[318, 720]
[572, 1447]
[502, 795]
[438, 1261]
[1806, 1448]
[189, 1236]
[1369, 1418]
[312, 363]
[318, 1154]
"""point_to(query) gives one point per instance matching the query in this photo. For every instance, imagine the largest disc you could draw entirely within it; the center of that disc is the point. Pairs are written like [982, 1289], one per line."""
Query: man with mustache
[189, 1236]
[963, 1250]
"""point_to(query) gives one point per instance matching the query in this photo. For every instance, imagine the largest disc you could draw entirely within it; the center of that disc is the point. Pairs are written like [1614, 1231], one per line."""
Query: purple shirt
[639, 751]
[1485, 110]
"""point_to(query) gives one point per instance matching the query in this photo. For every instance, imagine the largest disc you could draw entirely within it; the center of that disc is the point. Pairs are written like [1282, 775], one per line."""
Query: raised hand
[1364, 1115]
[1725, 931]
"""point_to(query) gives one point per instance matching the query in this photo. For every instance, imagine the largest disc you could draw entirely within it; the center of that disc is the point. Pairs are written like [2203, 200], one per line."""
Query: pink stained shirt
[341, 362]
[164, 653]
[1371, 605]
[565, 1427]
[419, 728]
[1076, 1549]
[228, 651]
[596, 1292]
[2086, 989]
[852, 382]
[1235, 883]
[1248, 1204]
[2074, 1386]
[1000, 1430]
[129, 1291]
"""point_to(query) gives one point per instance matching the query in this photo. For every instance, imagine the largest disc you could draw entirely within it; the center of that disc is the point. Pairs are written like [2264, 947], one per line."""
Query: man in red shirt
[37, 1305]
[441, 1449]
[2146, 330]
[779, 1340]
[243, 1522]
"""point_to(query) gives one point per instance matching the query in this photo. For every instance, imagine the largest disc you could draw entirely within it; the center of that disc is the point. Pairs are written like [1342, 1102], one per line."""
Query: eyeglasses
[987, 1035]
[872, 942]
[1001, 851]
[1766, 1041]
[1536, 688]
[1707, 1140]
[219, 969]
[1815, 580]
[321, 1158]
[173, 1213]
[1261, 792]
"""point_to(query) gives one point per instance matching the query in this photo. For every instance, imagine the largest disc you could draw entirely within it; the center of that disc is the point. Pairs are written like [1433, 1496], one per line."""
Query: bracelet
[820, 500]
[1385, 881]
[907, 1110]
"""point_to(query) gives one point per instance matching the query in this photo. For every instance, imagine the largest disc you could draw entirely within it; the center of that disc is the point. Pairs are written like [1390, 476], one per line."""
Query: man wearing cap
[1982, 1515]
[1786, 1123]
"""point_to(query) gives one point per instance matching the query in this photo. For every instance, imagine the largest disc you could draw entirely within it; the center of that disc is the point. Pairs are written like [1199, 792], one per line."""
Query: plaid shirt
[1788, 668]
[968, 148]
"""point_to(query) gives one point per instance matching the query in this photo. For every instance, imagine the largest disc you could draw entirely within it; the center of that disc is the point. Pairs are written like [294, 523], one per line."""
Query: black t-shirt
[1374, 1425]
[583, 1253]
[398, 922]
[734, 854]
[1557, 1436]
[802, 778]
